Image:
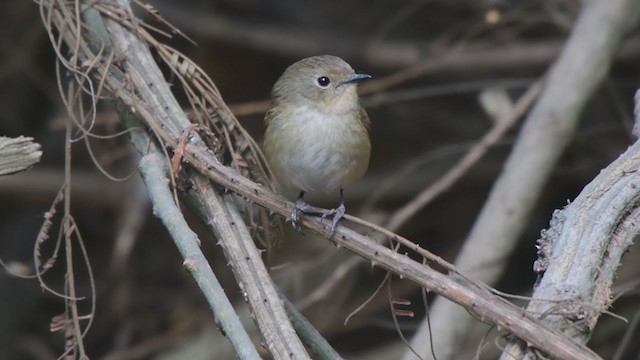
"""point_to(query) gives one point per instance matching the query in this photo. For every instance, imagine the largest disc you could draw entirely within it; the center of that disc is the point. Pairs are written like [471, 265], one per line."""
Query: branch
[548, 129]
[18, 154]
[455, 173]
[252, 276]
[154, 173]
[582, 249]
[258, 290]
[298, 42]
[473, 297]
[311, 337]
[144, 92]
[477, 299]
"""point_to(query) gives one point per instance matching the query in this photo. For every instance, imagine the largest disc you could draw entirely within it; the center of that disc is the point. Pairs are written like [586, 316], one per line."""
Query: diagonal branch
[147, 80]
[134, 77]
[258, 290]
[474, 298]
[154, 173]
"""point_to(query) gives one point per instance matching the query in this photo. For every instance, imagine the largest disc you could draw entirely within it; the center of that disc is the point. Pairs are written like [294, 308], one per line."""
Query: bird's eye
[324, 81]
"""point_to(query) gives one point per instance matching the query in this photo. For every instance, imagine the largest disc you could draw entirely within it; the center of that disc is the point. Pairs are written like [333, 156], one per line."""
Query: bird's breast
[313, 151]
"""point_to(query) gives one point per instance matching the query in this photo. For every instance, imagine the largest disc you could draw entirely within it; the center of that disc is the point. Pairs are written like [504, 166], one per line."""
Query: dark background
[148, 307]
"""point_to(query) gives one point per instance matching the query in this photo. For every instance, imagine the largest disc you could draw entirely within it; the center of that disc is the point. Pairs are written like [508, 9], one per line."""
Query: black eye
[323, 81]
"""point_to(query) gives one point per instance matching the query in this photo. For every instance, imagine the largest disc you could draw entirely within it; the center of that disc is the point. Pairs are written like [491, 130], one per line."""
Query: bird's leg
[338, 213]
[298, 205]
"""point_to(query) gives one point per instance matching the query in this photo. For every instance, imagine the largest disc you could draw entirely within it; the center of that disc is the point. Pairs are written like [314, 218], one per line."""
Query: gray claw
[297, 206]
[338, 213]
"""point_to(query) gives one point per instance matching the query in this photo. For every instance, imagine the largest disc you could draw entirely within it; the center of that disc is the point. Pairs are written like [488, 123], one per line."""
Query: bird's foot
[338, 213]
[298, 206]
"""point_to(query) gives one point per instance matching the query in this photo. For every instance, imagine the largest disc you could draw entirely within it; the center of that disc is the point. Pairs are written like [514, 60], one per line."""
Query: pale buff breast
[317, 152]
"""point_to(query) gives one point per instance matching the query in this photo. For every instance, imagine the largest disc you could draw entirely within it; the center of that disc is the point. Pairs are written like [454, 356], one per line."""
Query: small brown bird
[317, 137]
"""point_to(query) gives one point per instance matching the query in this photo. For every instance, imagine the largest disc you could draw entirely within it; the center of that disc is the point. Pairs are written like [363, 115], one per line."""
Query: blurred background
[149, 307]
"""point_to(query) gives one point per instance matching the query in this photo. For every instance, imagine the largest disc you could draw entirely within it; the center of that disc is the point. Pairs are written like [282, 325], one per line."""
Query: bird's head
[326, 82]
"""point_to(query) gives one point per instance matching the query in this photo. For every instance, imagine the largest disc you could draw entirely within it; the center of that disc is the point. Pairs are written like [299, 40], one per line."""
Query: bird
[317, 133]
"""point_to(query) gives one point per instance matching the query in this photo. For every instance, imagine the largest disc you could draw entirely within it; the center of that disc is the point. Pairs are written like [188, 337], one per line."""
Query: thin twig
[68, 231]
[475, 153]
[395, 321]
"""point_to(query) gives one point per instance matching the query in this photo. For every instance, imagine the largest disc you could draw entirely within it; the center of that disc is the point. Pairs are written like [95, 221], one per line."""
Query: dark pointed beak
[356, 78]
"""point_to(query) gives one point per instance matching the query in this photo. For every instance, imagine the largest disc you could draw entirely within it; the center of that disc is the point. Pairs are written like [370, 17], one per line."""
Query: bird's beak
[356, 78]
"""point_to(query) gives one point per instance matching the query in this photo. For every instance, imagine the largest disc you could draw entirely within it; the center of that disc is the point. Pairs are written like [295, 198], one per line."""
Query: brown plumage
[317, 136]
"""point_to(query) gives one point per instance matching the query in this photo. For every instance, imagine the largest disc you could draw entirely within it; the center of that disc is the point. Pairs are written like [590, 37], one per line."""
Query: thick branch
[582, 249]
[154, 173]
[478, 300]
[224, 220]
[18, 154]
[546, 133]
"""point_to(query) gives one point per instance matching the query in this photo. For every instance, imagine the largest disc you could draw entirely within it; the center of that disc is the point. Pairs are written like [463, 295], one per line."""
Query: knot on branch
[545, 242]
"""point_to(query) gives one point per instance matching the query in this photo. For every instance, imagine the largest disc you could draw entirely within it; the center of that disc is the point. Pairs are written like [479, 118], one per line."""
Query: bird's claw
[297, 207]
[338, 213]
[300, 206]
[294, 219]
